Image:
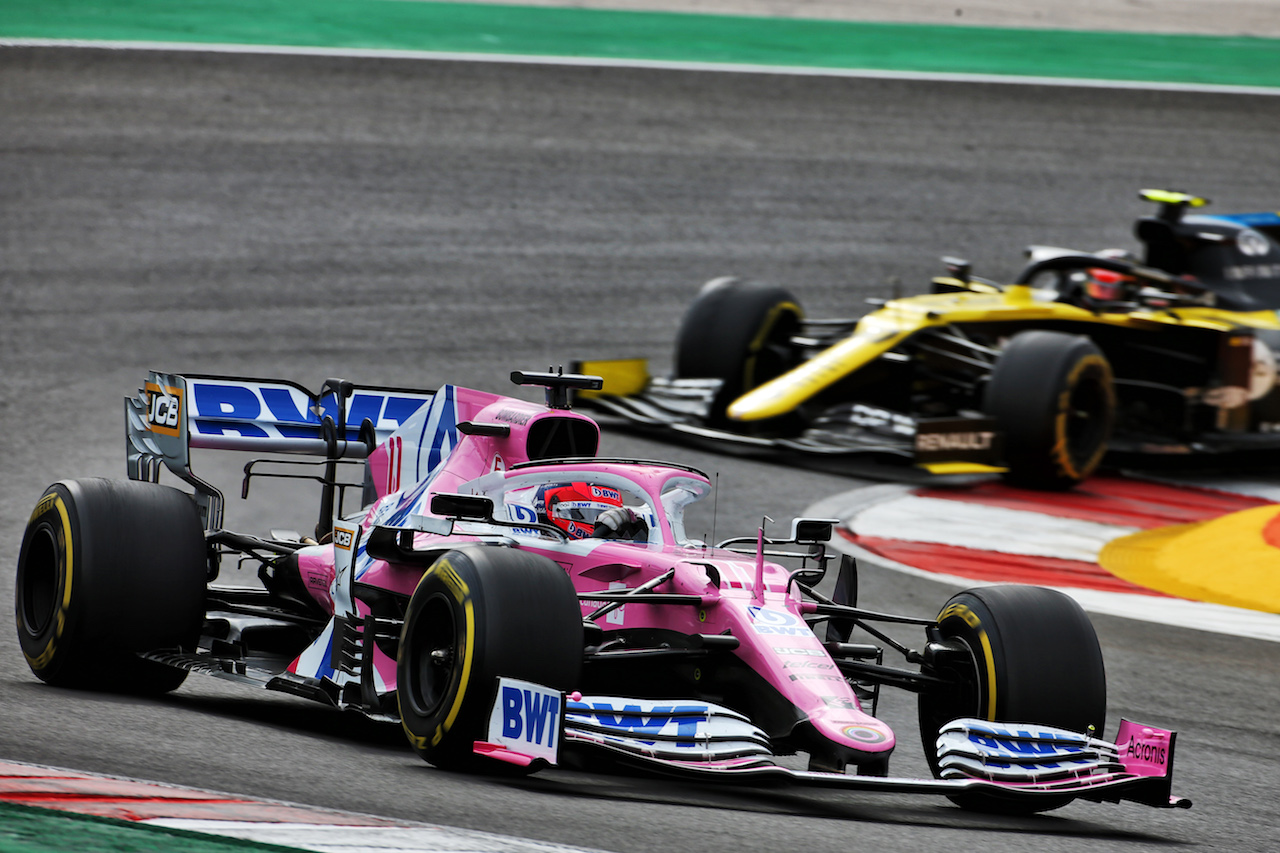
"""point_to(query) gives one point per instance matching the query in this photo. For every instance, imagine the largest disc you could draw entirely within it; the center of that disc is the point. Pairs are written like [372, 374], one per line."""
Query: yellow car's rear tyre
[1053, 398]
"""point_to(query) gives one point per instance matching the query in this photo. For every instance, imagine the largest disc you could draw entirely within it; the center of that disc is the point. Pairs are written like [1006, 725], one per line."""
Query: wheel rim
[967, 698]
[434, 645]
[769, 359]
[1086, 419]
[38, 580]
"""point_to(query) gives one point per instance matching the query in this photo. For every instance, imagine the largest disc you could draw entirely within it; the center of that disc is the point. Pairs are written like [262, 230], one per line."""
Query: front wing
[702, 740]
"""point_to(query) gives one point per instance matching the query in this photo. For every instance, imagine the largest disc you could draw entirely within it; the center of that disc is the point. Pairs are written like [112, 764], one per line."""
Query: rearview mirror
[808, 530]
[473, 507]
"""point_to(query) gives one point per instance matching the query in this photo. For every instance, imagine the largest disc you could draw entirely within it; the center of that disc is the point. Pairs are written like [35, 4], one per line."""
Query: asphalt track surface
[417, 222]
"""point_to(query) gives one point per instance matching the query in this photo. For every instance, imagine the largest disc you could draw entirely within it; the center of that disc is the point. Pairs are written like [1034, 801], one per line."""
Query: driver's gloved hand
[619, 523]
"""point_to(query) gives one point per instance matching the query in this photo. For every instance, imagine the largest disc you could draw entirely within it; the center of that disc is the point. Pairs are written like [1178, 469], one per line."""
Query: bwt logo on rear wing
[283, 417]
[268, 415]
[173, 413]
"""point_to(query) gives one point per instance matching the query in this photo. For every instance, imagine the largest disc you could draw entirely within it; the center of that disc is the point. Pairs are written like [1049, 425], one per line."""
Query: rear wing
[172, 414]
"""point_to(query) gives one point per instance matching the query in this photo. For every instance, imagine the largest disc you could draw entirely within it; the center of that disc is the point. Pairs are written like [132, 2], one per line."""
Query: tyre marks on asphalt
[1187, 555]
[287, 825]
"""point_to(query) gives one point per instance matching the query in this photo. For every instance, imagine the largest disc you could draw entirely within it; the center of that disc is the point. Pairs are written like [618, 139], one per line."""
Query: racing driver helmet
[574, 507]
[1108, 286]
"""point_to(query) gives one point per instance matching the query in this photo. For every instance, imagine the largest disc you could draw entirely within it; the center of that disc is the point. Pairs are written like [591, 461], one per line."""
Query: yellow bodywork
[950, 468]
[885, 328]
[623, 377]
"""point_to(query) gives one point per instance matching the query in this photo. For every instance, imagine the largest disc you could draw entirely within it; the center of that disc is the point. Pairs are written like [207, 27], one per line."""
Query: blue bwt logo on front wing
[685, 724]
[984, 748]
[526, 719]
[525, 714]
[1000, 741]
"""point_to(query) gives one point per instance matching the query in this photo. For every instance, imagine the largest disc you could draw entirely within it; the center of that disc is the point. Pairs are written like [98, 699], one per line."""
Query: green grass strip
[25, 829]
[526, 30]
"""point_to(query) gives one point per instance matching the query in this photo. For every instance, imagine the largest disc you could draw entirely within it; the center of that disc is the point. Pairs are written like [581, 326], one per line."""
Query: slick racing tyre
[478, 614]
[738, 332]
[1014, 654]
[1051, 395]
[109, 568]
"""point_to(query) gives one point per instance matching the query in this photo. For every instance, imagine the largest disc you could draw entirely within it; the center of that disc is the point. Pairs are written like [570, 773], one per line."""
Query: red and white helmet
[574, 507]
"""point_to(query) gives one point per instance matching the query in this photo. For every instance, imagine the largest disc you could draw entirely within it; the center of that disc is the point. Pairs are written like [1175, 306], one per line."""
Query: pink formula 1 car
[516, 602]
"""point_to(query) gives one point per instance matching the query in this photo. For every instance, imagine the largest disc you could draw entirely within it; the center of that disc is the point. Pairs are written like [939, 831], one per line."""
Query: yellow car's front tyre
[739, 332]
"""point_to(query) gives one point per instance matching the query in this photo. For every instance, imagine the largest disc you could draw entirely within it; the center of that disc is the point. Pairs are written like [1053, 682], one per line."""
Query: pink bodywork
[768, 622]
[1145, 750]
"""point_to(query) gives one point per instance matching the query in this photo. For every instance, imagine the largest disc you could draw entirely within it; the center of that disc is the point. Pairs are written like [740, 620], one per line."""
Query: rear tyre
[1017, 654]
[1052, 395]
[478, 614]
[738, 332]
[109, 568]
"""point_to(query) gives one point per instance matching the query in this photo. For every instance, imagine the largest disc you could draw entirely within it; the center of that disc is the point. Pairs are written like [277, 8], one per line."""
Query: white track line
[323, 838]
[337, 831]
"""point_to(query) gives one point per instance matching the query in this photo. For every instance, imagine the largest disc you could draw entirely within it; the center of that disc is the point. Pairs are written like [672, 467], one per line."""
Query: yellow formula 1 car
[1173, 353]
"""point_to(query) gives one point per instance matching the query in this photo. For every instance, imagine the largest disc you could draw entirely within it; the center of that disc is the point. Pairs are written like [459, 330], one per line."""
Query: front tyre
[1053, 398]
[107, 569]
[738, 332]
[1014, 654]
[478, 614]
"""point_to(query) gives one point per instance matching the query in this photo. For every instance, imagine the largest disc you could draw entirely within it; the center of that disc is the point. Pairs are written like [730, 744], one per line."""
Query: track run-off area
[663, 39]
